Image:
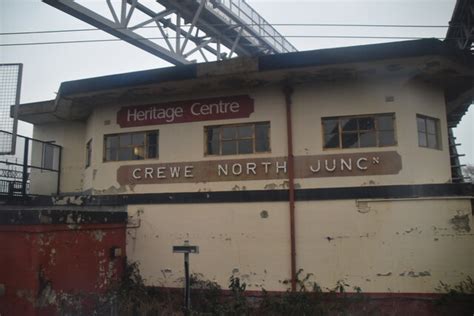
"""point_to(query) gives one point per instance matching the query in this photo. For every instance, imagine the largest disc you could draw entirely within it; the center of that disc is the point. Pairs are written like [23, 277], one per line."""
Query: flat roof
[311, 58]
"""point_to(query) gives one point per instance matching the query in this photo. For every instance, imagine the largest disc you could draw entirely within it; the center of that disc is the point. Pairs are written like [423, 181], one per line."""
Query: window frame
[145, 145]
[358, 131]
[89, 153]
[236, 125]
[437, 134]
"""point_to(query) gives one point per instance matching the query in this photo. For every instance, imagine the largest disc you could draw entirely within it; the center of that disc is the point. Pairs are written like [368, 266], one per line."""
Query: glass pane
[48, 156]
[152, 138]
[111, 141]
[349, 124]
[111, 154]
[367, 139]
[152, 152]
[386, 138]
[330, 126]
[421, 124]
[125, 154]
[245, 131]
[213, 148]
[349, 140]
[331, 140]
[422, 139]
[431, 126]
[125, 139]
[245, 146]
[385, 123]
[212, 133]
[229, 147]
[228, 133]
[366, 123]
[432, 141]
[262, 133]
[138, 152]
[262, 145]
[138, 139]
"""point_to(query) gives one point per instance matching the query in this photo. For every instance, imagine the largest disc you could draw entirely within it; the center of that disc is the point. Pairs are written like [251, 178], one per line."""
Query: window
[238, 139]
[377, 130]
[428, 132]
[88, 153]
[47, 160]
[131, 146]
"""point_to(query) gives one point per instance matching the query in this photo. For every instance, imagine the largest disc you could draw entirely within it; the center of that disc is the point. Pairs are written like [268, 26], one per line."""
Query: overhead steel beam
[461, 27]
[116, 29]
[228, 27]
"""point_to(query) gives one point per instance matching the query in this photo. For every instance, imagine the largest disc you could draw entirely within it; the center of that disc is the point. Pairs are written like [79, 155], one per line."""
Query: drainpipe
[288, 91]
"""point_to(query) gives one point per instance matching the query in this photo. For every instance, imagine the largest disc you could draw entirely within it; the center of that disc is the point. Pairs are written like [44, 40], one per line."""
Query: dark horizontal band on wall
[47, 217]
[376, 192]
[344, 193]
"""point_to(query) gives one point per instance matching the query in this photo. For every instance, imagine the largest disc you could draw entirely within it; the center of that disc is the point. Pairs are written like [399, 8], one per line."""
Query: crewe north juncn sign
[230, 107]
[338, 165]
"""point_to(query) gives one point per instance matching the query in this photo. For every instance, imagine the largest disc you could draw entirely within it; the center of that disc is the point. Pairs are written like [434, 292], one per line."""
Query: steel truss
[214, 29]
[461, 26]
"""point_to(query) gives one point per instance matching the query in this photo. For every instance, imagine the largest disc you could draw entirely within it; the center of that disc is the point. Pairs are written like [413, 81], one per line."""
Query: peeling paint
[98, 234]
[283, 185]
[69, 200]
[239, 188]
[111, 190]
[384, 274]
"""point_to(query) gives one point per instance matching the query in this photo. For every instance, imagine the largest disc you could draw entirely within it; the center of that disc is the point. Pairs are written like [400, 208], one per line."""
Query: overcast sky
[46, 66]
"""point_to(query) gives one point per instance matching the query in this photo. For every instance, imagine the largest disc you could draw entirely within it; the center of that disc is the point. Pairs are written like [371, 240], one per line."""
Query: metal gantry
[178, 30]
[461, 26]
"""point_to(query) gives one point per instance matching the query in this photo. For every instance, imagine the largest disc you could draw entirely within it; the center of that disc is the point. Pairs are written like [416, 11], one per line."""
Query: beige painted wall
[380, 246]
[184, 142]
[69, 135]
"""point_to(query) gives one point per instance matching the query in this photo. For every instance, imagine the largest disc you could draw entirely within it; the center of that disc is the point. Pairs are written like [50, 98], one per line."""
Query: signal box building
[340, 162]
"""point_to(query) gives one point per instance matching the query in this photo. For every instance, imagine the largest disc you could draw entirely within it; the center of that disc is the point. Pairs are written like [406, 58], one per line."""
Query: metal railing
[33, 170]
[251, 19]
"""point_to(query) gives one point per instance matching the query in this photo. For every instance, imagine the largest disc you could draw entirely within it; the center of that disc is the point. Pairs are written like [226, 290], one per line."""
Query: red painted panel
[38, 263]
[231, 107]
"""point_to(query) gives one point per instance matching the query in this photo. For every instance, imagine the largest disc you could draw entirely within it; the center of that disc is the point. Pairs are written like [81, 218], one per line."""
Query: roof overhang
[429, 60]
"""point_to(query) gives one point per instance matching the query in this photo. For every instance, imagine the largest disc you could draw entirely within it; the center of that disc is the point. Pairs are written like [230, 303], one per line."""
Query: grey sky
[46, 66]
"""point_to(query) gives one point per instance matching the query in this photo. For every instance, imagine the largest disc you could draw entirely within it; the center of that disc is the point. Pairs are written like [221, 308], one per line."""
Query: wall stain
[414, 274]
[363, 207]
[460, 223]
[329, 238]
[264, 214]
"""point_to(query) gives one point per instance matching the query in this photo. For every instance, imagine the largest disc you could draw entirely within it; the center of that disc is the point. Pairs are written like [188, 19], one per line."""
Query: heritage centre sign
[339, 165]
[229, 107]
